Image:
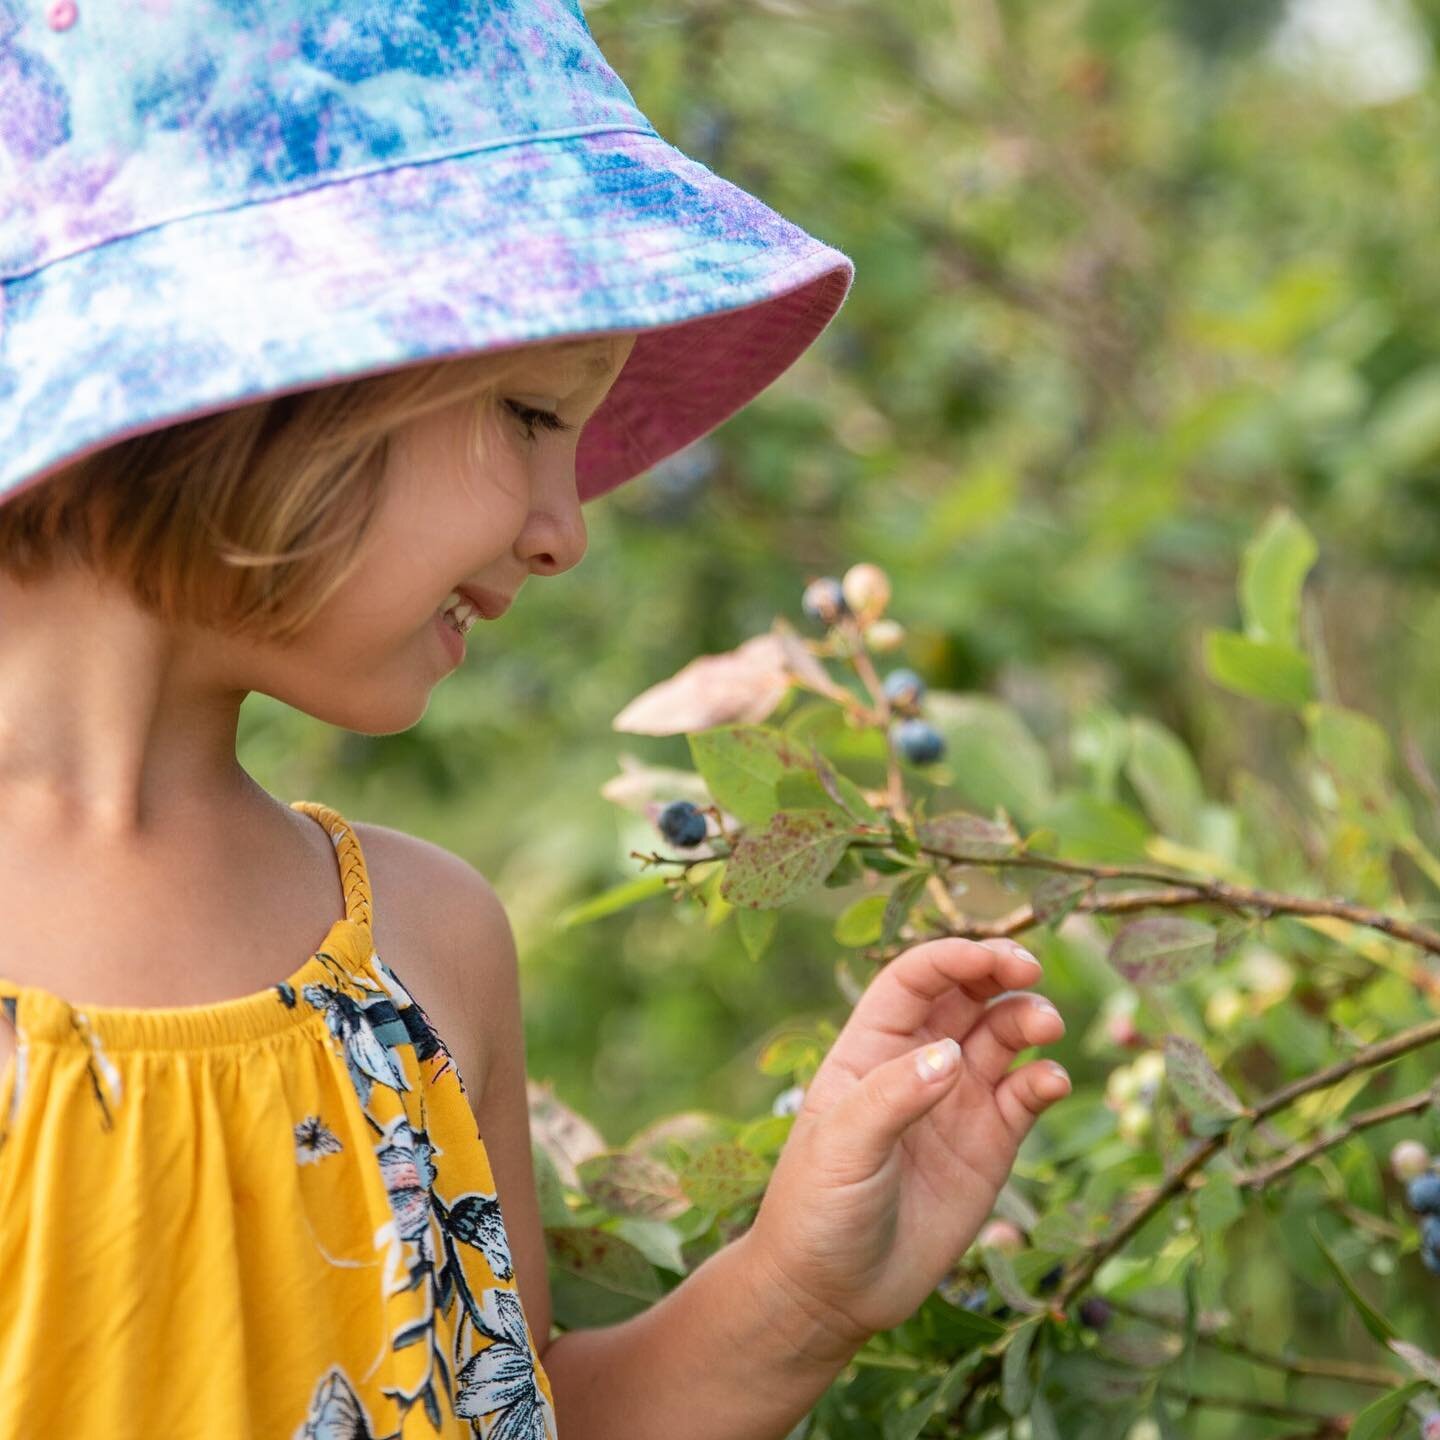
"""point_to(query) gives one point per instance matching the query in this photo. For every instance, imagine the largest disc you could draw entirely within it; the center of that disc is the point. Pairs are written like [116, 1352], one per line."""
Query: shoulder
[438, 918]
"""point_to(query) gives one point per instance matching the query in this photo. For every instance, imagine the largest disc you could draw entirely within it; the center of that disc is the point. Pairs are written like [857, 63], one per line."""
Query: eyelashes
[532, 418]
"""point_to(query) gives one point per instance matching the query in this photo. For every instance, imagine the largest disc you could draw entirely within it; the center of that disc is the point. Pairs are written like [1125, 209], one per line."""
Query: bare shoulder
[461, 965]
[439, 925]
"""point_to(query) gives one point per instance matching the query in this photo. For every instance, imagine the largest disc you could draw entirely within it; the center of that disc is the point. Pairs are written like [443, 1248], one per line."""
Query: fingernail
[1023, 953]
[1041, 1003]
[937, 1060]
[1057, 1068]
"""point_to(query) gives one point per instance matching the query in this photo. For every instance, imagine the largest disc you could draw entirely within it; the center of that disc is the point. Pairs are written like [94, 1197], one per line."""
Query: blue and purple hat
[204, 203]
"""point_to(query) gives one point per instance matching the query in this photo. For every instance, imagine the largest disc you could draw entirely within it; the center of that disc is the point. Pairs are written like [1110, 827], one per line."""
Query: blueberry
[1095, 1312]
[904, 688]
[919, 742]
[824, 600]
[1423, 1193]
[1430, 1259]
[682, 824]
[975, 1299]
[1430, 1232]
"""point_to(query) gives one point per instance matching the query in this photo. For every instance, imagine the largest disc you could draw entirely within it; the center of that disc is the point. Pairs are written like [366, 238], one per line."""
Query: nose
[554, 538]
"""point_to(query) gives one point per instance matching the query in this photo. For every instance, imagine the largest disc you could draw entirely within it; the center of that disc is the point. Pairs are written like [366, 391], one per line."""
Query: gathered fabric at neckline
[45, 1017]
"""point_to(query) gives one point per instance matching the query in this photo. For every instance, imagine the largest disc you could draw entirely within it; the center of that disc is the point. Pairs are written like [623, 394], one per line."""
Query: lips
[489, 603]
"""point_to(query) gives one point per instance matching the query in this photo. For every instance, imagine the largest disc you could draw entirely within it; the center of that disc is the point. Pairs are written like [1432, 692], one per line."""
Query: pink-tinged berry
[1001, 1235]
[1408, 1159]
[1430, 1426]
[866, 589]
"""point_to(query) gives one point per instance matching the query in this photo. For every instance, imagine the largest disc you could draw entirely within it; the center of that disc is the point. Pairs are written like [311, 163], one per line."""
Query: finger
[1007, 1027]
[901, 998]
[1024, 1094]
[856, 1136]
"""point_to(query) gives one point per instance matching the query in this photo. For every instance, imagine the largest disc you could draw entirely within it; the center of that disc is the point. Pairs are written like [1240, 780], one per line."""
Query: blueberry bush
[1255, 989]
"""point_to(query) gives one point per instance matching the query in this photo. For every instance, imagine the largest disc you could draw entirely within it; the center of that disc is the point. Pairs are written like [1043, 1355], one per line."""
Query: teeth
[459, 612]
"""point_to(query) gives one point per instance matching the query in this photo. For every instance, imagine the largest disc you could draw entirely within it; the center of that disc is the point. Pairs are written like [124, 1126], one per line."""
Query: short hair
[248, 520]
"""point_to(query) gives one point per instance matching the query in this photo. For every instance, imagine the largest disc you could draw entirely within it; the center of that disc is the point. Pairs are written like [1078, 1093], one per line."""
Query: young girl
[320, 322]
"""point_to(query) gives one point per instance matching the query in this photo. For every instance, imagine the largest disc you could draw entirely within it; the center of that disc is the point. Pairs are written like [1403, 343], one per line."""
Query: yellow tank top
[265, 1219]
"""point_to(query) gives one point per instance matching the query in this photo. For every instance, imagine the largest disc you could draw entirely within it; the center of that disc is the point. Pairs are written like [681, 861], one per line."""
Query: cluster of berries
[1410, 1162]
[862, 596]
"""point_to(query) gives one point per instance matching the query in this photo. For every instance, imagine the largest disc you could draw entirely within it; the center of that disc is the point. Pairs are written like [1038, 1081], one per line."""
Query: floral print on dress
[425, 1242]
[313, 1142]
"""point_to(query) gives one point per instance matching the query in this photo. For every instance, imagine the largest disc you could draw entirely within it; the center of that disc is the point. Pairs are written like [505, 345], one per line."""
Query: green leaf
[899, 904]
[1164, 776]
[1377, 1420]
[1272, 574]
[1371, 1318]
[550, 1190]
[658, 1242]
[757, 929]
[1359, 756]
[1161, 949]
[741, 765]
[1007, 1283]
[960, 833]
[1016, 1386]
[724, 1176]
[860, 923]
[634, 1185]
[619, 897]
[1197, 1083]
[791, 856]
[995, 760]
[614, 1277]
[939, 1402]
[1259, 668]
[1405, 431]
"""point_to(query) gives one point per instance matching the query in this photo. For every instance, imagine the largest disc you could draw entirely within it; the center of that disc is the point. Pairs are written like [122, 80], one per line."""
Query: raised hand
[891, 1168]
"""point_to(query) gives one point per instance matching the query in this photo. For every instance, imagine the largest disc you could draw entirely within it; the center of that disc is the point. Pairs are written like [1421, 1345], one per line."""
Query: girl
[320, 324]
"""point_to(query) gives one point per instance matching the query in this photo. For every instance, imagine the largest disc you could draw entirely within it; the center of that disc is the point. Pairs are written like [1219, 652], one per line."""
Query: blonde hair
[248, 520]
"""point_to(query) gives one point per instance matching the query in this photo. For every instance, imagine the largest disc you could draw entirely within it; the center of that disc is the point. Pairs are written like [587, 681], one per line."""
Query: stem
[1261, 1175]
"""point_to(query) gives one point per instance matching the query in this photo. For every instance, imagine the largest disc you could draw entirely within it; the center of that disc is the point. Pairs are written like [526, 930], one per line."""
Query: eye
[531, 418]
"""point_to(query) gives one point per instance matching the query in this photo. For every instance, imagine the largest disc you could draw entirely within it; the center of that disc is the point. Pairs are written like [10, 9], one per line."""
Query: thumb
[870, 1120]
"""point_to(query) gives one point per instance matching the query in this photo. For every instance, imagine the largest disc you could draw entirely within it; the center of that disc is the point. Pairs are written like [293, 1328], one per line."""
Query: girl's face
[449, 518]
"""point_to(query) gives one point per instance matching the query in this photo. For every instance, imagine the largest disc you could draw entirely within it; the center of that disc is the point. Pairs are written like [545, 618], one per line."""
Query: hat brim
[547, 239]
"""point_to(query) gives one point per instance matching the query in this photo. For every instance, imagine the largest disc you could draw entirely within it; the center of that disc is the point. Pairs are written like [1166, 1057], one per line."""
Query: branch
[1177, 1181]
[1185, 891]
[1263, 1174]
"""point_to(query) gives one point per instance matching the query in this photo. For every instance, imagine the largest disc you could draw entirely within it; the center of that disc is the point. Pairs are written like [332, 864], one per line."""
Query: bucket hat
[204, 203]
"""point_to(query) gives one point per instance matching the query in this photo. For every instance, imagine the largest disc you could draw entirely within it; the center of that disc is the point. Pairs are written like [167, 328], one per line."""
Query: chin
[366, 715]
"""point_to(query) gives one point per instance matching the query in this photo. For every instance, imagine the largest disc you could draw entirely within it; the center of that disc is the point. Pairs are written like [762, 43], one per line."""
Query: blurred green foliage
[1144, 307]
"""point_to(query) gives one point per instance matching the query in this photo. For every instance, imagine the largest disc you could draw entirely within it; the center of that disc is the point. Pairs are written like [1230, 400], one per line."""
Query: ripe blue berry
[1423, 1193]
[824, 600]
[1095, 1312]
[904, 688]
[1430, 1259]
[975, 1299]
[918, 741]
[1430, 1232]
[682, 824]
